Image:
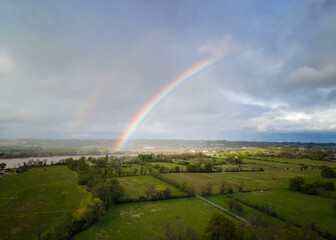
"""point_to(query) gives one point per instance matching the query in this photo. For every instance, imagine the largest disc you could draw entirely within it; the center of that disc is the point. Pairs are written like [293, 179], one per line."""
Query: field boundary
[224, 210]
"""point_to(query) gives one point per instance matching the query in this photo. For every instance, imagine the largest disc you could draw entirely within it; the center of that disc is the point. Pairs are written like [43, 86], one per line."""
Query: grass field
[169, 165]
[34, 201]
[139, 220]
[136, 186]
[299, 161]
[296, 207]
[247, 211]
[250, 180]
[269, 165]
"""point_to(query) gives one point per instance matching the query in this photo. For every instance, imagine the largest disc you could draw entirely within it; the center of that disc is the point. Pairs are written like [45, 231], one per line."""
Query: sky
[85, 69]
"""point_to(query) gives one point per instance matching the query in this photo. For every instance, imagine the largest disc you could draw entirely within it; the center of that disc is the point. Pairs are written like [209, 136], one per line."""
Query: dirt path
[223, 209]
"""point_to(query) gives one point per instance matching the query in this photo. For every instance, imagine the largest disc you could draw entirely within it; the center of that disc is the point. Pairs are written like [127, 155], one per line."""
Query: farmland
[135, 187]
[149, 192]
[295, 207]
[140, 220]
[34, 201]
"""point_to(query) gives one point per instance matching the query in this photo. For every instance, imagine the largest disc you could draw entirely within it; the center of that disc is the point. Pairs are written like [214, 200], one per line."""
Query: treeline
[315, 188]
[170, 157]
[297, 153]
[221, 227]
[105, 192]
[27, 165]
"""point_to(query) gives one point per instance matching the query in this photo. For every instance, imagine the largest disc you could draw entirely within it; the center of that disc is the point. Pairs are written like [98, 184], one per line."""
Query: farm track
[224, 210]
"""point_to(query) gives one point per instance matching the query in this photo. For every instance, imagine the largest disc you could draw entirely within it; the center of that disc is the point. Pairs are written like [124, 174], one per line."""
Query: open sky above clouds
[84, 69]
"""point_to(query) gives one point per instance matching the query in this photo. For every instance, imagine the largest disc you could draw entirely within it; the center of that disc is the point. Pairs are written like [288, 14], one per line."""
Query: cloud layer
[84, 70]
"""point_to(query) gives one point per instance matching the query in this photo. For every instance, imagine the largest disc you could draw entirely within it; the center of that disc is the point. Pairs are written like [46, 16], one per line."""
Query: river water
[16, 162]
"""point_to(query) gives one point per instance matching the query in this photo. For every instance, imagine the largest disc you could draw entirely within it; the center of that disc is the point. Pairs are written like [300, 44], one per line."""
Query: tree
[235, 205]
[295, 183]
[327, 172]
[2, 166]
[221, 228]
[109, 192]
[206, 190]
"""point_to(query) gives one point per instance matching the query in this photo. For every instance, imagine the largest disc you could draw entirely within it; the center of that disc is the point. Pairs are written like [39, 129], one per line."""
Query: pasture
[296, 207]
[250, 180]
[247, 212]
[169, 165]
[145, 219]
[34, 201]
[136, 186]
[305, 161]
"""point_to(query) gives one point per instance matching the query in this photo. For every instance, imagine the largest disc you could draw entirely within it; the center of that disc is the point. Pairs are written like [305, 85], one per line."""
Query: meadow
[249, 180]
[247, 212]
[37, 200]
[145, 219]
[136, 186]
[295, 207]
[32, 202]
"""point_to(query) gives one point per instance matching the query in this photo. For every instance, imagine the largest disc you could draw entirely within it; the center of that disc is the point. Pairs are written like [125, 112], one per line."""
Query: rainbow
[90, 101]
[168, 89]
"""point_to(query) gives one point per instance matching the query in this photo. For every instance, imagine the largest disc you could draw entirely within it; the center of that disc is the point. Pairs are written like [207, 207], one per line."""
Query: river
[16, 162]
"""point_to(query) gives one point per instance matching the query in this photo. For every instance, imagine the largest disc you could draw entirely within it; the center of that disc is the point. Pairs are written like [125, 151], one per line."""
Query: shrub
[308, 188]
[295, 183]
[329, 186]
[327, 172]
[234, 205]
[220, 227]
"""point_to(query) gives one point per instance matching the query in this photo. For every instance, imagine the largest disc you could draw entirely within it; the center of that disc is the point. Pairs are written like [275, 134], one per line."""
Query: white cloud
[293, 121]
[246, 99]
[218, 48]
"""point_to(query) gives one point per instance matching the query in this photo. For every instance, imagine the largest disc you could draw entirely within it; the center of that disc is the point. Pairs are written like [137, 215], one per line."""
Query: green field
[139, 220]
[247, 211]
[34, 201]
[269, 165]
[298, 161]
[296, 207]
[169, 165]
[250, 180]
[135, 186]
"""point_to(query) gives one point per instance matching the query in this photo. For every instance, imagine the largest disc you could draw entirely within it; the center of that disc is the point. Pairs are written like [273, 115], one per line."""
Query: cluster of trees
[298, 184]
[164, 169]
[157, 193]
[27, 165]
[222, 228]
[200, 166]
[73, 225]
[327, 172]
[176, 230]
[234, 205]
[298, 153]
[170, 158]
[2, 166]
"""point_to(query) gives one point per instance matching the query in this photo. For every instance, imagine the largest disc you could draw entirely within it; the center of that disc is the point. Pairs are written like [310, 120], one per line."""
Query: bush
[308, 188]
[295, 183]
[220, 227]
[234, 205]
[329, 186]
[206, 190]
[327, 172]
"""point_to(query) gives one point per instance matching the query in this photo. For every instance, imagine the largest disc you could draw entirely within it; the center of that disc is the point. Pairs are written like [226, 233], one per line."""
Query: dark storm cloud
[95, 65]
